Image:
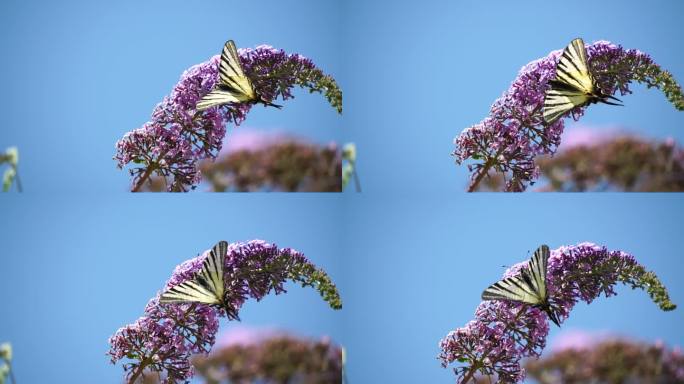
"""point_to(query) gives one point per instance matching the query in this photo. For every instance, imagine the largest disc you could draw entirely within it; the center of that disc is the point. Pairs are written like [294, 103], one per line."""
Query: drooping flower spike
[170, 332]
[178, 136]
[505, 332]
[515, 132]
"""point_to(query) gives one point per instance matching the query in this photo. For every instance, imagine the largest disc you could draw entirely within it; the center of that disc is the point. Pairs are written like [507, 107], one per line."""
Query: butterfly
[207, 286]
[233, 85]
[574, 85]
[528, 287]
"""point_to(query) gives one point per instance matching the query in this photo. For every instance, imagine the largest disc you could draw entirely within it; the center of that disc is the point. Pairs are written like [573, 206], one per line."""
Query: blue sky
[409, 268]
[411, 255]
[416, 268]
[75, 269]
[80, 74]
[421, 72]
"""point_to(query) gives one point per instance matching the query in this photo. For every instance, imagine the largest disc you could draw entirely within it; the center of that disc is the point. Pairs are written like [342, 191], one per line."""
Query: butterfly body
[528, 287]
[550, 312]
[233, 86]
[206, 286]
[574, 85]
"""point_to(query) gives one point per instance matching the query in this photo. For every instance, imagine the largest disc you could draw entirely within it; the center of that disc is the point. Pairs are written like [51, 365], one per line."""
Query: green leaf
[6, 351]
[7, 179]
[347, 171]
[4, 372]
[349, 152]
[12, 154]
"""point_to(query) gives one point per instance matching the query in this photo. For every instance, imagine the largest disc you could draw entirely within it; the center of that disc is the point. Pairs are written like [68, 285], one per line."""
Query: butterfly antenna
[552, 316]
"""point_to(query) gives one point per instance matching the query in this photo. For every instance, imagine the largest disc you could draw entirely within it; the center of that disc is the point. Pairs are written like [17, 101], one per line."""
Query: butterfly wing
[231, 73]
[572, 67]
[528, 287]
[233, 86]
[536, 270]
[217, 97]
[574, 84]
[512, 288]
[207, 286]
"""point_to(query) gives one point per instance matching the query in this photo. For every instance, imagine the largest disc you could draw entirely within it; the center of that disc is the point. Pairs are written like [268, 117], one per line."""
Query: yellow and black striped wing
[207, 286]
[528, 287]
[536, 270]
[573, 85]
[217, 97]
[512, 288]
[233, 86]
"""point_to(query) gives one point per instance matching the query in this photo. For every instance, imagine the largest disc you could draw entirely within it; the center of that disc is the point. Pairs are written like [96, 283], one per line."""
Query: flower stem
[145, 176]
[18, 180]
[357, 183]
[483, 172]
[11, 372]
[143, 364]
[485, 169]
[154, 165]
[476, 365]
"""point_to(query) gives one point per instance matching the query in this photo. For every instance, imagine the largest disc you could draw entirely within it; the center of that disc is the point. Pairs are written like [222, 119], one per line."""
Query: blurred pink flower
[248, 139]
[588, 135]
[246, 335]
[579, 339]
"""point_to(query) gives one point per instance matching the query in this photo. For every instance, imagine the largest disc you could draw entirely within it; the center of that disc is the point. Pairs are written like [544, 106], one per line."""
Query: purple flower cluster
[165, 337]
[177, 137]
[505, 332]
[514, 133]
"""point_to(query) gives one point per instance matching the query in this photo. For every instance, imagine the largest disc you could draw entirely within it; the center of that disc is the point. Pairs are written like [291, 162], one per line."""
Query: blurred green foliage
[5, 363]
[349, 166]
[10, 157]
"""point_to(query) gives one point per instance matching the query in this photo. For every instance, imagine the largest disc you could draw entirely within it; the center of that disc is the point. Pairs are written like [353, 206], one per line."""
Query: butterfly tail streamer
[269, 104]
[553, 316]
[604, 101]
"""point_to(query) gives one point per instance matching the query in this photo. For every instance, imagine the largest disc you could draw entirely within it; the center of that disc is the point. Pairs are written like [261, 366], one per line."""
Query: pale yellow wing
[558, 102]
[572, 67]
[207, 286]
[573, 85]
[232, 86]
[220, 97]
[527, 287]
